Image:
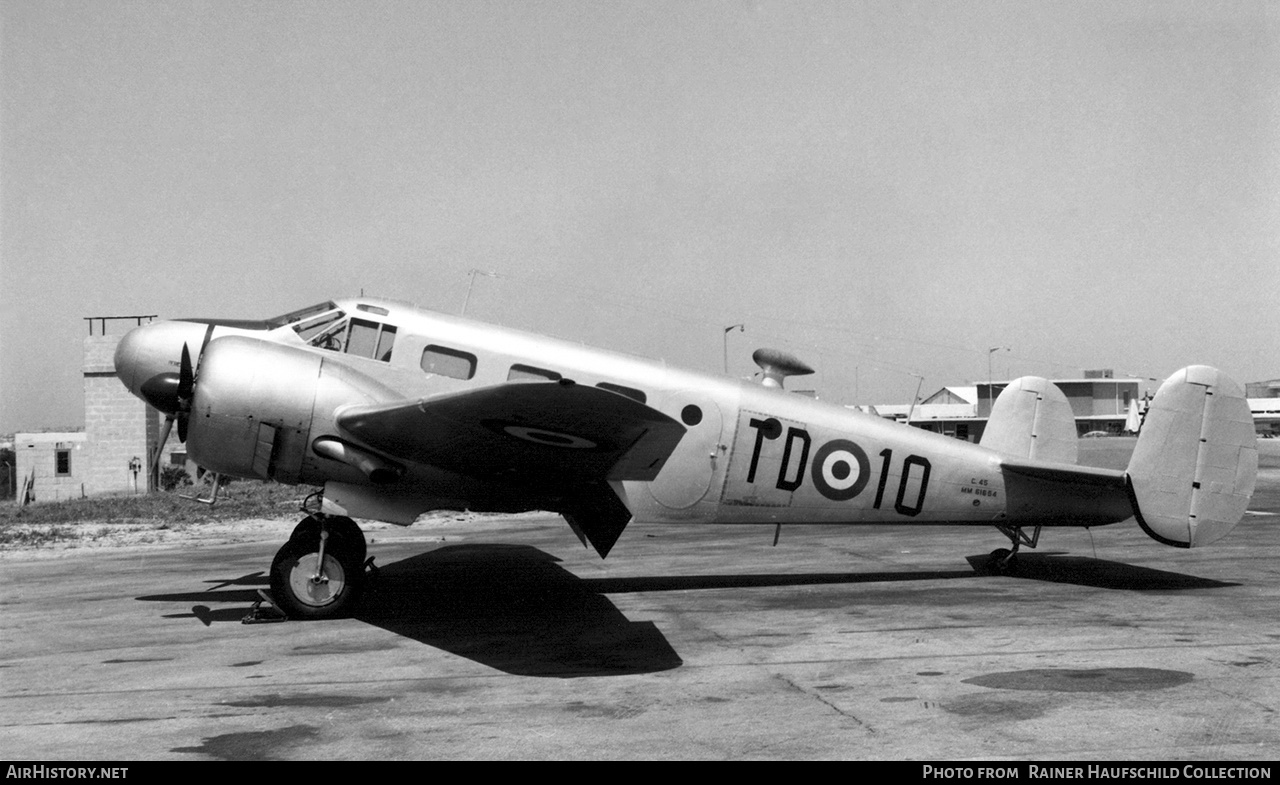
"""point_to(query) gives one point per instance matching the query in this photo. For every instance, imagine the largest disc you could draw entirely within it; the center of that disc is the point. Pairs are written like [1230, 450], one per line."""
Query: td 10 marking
[840, 470]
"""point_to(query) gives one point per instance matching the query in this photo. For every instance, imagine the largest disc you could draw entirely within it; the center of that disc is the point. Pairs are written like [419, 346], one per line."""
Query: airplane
[396, 411]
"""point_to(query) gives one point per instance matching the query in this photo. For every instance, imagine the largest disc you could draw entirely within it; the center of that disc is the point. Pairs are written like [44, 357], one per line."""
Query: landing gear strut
[320, 571]
[1004, 561]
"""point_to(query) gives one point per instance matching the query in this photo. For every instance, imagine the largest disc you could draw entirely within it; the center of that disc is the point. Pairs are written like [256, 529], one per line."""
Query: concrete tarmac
[505, 639]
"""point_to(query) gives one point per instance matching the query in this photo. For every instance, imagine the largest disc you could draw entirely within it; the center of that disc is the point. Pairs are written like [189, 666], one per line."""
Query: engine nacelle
[257, 403]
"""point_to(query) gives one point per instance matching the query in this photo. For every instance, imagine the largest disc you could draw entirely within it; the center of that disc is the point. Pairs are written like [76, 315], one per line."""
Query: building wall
[119, 427]
[36, 454]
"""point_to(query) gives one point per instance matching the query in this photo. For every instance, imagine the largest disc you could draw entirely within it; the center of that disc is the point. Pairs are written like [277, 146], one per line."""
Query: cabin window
[373, 309]
[444, 361]
[62, 462]
[370, 339]
[526, 372]
[630, 392]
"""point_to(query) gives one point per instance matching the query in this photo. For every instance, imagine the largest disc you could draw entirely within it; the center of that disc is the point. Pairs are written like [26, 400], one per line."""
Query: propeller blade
[164, 437]
[186, 388]
[186, 379]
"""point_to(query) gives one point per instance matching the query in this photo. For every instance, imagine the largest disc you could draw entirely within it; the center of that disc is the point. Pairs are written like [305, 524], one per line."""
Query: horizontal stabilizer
[1062, 494]
[1031, 418]
[1196, 460]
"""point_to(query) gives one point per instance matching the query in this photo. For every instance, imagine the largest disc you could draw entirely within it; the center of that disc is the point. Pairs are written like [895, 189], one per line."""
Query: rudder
[1194, 466]
[1031, 418]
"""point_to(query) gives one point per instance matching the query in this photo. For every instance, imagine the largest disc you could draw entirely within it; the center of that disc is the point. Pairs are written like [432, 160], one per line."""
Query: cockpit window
[301, 314]
[309, 328]
[359, 337]
[371, 339]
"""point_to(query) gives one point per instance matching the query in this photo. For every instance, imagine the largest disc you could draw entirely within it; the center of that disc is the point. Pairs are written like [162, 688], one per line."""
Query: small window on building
[177, 458]
[525, 372]
[62, 462]
[448, 362]
[630, 392]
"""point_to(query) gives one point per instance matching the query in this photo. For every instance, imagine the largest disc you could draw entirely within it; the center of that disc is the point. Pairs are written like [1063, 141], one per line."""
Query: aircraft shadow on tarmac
[513, 608]
[1058, 567]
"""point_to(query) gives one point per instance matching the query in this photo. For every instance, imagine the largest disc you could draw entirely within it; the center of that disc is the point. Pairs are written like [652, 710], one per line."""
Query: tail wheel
[303, 588]
[1002, 561]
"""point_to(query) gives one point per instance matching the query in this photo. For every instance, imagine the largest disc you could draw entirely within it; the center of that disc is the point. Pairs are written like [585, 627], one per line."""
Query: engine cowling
[258, 406]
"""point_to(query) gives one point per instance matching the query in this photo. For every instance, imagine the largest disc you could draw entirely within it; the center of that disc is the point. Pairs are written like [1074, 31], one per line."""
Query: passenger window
[525, 372]
[632, 393]
[448, 362]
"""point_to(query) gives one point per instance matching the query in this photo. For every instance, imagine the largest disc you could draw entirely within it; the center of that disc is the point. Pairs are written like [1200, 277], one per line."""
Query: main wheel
[346, 529]
[304, 592]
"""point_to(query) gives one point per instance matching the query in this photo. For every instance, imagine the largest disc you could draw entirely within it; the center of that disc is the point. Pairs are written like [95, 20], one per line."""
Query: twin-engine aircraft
[397, 411]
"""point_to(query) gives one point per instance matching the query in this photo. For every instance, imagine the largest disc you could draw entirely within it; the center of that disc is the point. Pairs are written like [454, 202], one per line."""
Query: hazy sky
[882, 188]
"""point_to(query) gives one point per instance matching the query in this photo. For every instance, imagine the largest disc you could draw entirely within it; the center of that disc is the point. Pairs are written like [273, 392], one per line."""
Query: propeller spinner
[171, 393]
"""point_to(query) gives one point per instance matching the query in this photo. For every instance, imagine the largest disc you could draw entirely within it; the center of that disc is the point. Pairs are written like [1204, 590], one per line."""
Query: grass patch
[47, 522]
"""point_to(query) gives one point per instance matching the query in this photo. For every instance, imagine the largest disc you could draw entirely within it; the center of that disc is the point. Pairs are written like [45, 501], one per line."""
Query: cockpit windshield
[301, 314]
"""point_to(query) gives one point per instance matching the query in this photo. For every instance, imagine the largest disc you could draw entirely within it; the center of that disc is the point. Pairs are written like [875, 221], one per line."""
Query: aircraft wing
[561, 434]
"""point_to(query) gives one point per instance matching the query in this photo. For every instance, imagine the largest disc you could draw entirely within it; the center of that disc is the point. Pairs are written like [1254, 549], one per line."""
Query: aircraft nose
[153, 350]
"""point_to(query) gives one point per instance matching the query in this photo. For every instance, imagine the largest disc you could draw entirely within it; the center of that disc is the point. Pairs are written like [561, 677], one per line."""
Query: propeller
[186, 388]
[171, 393]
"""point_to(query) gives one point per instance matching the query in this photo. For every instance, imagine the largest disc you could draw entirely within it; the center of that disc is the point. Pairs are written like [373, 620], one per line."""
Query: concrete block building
[114, 452]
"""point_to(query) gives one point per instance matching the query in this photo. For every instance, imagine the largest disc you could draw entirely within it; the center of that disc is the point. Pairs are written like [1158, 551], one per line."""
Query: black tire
[1001, 562]
[298, 596]
[308, 530]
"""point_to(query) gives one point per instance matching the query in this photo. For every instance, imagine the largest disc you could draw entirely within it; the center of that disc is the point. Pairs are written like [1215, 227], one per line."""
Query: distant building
[1267, 389]
[51, 466]
[1266, 416]
[1100, 403]
[114, 452]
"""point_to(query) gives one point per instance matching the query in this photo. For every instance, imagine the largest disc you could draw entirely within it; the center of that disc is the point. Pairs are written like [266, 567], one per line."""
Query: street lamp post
[727, 330]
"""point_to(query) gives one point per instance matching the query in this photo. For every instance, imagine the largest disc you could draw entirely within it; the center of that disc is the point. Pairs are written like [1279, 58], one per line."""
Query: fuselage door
[688, 473]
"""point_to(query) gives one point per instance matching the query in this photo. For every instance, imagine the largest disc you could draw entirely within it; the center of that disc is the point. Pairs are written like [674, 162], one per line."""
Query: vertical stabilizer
[1193, 470]
[1032, 419]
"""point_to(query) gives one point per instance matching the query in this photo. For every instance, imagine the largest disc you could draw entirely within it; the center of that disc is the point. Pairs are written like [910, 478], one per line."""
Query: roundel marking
[840, 470]
[549, 438]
